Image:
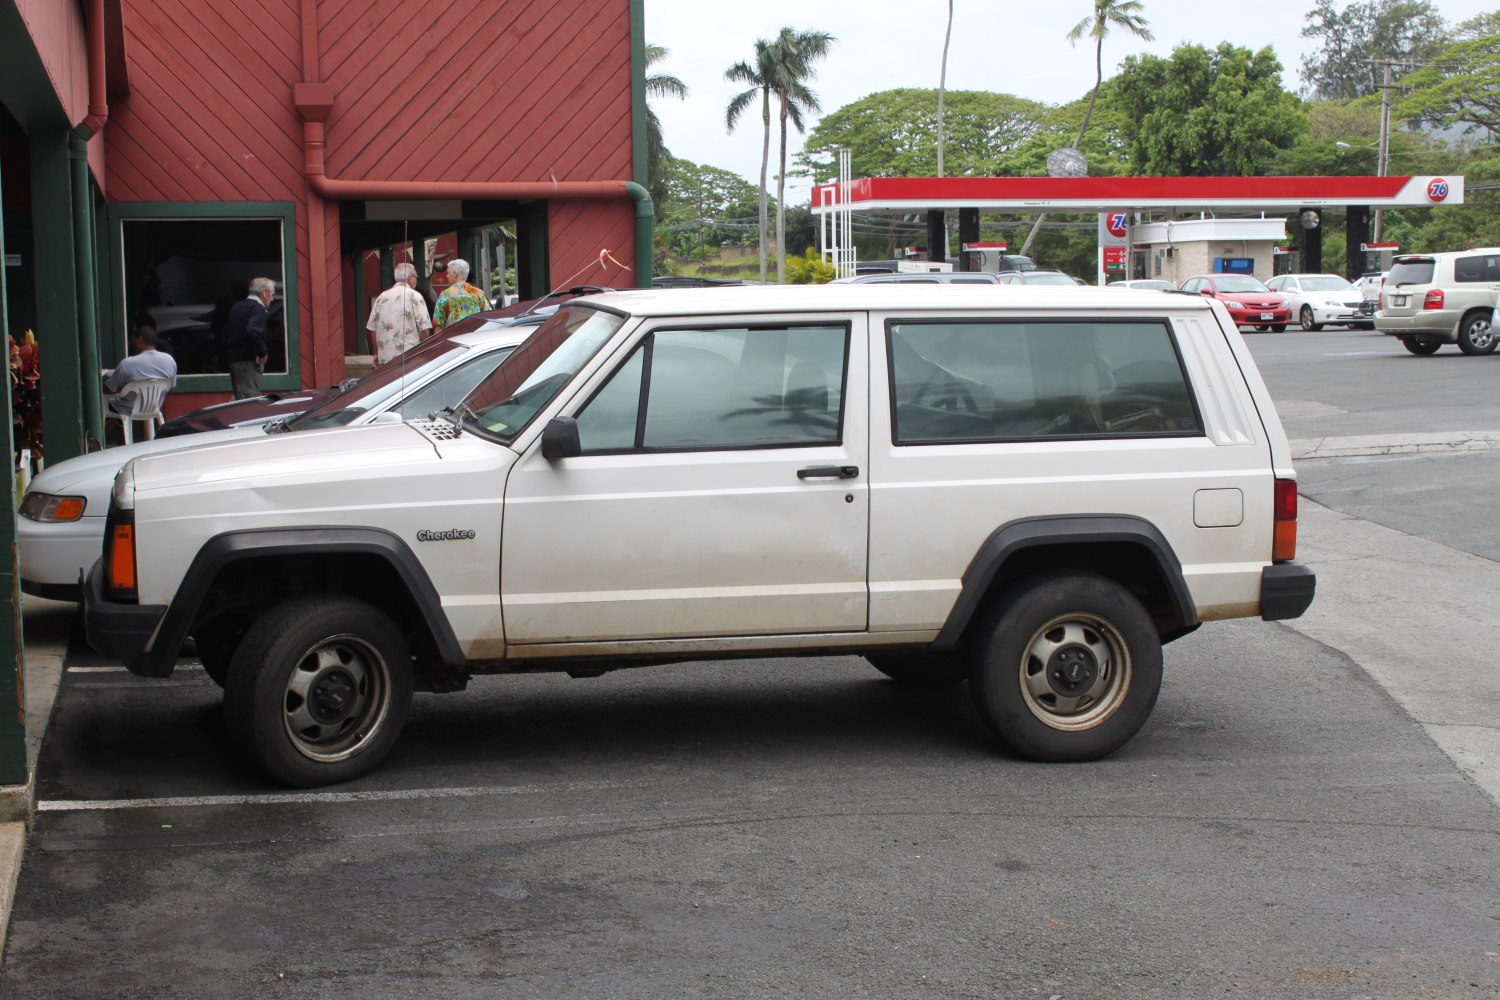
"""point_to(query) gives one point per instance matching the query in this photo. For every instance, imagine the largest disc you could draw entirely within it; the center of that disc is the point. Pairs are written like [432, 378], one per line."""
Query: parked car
[1158, 284]
[1316, 300]
[920, 278]
[1248, 300]
[735, 472]
[252, 412]
[1037, 277]
[63, 510]
[1369, 291]
[1429, 300]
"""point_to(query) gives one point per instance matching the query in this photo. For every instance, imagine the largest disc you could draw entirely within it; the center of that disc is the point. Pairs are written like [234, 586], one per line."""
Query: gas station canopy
[1103, 194]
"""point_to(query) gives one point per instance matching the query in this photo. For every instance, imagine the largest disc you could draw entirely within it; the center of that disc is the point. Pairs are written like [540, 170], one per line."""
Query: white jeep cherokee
[1031, 489]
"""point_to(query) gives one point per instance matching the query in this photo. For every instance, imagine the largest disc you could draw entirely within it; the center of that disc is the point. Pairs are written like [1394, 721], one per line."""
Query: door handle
[829, 472]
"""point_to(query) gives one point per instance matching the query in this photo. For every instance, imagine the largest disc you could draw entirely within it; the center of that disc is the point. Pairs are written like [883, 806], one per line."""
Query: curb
[1364, 446]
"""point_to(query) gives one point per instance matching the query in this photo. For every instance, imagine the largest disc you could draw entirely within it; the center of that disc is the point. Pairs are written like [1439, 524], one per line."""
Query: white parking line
[313, 798]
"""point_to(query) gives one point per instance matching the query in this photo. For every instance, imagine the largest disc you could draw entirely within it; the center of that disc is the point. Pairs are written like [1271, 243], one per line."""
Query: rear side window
[1411, 272]
[1005, 380]
[1477, 268]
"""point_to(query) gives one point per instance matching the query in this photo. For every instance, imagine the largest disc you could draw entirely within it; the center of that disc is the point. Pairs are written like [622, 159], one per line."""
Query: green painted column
[56, 294]
[91, 385]
[12, 678]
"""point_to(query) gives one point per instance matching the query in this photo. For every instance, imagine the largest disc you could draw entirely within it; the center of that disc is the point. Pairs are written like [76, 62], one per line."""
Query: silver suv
[1429, 300]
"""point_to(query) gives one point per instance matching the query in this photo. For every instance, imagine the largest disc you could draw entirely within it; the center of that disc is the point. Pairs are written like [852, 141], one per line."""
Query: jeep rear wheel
[1067, 668]
[922, 669]
[1476, 335]
[1416, 346]
[1307, 321]
[318, 690]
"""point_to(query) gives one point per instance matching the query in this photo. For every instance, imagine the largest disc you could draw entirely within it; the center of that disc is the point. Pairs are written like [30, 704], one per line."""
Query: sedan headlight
[1233, 304]
[46, 507]
[122, 494]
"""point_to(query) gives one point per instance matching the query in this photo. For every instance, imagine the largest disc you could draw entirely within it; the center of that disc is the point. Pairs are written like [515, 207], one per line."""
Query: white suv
[1429, 300]
[1031, 489]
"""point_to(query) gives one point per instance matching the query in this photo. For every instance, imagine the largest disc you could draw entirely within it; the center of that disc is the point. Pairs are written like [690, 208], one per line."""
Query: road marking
[308, 798]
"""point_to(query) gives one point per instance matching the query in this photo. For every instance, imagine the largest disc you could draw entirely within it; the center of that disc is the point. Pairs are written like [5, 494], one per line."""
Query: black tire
[1078, 622]
[1306, 319]
[1364, 326]
[1476, 335]
[318, 690]
[1420, 347]
[1278, 328]
[923, 669]
[1262, 329]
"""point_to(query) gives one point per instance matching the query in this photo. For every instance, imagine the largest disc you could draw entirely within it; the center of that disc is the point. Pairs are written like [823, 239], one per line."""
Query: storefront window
[182, 275]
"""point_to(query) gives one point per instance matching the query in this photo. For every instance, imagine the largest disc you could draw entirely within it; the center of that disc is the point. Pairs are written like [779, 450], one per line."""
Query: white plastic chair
[149, 395]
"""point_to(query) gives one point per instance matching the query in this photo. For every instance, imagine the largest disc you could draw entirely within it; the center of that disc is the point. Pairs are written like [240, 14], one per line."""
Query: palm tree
[793, 53]
[658, 85]
[1107, 14]
[759, 77]
[943, 87]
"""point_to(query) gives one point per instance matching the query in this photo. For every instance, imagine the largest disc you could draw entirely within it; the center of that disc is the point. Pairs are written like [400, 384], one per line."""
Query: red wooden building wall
[507, 90]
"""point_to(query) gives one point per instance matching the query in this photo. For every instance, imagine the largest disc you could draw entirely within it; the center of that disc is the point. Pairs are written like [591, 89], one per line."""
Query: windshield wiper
[456, 414]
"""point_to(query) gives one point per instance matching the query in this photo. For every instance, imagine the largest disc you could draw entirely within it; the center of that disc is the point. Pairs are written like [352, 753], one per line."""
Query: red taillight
[1284, 515]
[1433, 300]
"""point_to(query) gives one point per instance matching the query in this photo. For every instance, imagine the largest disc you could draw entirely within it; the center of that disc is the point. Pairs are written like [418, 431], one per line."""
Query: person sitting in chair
[146, 361]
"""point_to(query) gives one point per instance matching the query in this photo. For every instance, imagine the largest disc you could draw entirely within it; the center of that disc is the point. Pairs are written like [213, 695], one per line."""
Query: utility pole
[1385, 138]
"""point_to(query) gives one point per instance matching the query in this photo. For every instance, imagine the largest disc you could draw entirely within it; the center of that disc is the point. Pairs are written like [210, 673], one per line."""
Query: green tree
[889, 134]
[707, 208]
[1123, 14]
[658, 85]
[1351, 38]
[759, 78]
[1214, 112]
[794, 53]
[1460, 87]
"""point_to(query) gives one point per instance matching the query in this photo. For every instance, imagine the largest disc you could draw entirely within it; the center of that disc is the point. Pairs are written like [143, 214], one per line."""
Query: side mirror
[388, 417]
[1205, 291]
[560, 439]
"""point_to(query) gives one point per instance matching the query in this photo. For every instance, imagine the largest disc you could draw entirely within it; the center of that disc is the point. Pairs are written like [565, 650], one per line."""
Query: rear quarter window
[1005, 380]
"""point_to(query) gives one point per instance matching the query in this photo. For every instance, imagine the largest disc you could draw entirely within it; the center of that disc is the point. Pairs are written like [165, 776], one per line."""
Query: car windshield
[380, 386]
[1240, 283]
[1325, 283]
[1044, 278]
[505, 402]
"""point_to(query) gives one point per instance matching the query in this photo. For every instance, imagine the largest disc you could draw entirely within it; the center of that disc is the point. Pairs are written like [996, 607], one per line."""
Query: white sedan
[1320, 299]
[60, 532]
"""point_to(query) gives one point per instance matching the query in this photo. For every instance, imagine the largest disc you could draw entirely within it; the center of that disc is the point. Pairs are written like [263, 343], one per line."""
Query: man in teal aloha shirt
[459, 299]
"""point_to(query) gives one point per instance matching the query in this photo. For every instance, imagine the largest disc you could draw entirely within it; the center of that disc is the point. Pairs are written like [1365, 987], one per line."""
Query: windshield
[375, 389]
[505, 402]
[1240, 284]
[1325, 283]
[1049, 279]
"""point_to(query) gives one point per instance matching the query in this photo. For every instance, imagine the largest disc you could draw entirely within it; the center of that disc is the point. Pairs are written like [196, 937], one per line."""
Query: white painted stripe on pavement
[314, 798]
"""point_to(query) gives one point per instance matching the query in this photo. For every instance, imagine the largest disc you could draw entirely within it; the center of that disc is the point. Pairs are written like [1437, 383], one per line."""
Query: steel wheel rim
[1075, 671]
[1481, 333]
[336, 698]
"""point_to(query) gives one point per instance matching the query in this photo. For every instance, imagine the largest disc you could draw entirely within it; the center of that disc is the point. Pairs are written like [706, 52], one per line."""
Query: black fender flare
[1067, 529]
[237, 546]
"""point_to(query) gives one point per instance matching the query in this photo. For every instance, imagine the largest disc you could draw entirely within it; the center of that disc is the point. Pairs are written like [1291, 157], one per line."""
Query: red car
[1248, 300]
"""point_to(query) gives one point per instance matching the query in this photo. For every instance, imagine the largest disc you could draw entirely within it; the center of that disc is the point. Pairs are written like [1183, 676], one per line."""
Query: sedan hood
[90, 475]
[265, 459]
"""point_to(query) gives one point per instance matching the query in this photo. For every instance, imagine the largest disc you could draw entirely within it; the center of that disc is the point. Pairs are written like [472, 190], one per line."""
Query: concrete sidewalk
[46, 626]
[49, 624]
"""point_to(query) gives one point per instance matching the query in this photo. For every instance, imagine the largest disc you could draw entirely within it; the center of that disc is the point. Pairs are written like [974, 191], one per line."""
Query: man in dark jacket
[245, 338]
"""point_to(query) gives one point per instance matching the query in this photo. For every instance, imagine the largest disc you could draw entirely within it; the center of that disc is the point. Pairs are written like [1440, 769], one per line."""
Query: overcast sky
[1008, 46]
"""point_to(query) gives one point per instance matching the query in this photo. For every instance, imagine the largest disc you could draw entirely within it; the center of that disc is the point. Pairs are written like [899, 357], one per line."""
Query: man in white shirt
[147, 362]
[398, 316]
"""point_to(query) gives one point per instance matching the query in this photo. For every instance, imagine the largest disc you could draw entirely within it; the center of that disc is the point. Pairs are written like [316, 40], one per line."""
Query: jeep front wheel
[1067, 667]
[318, 690]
